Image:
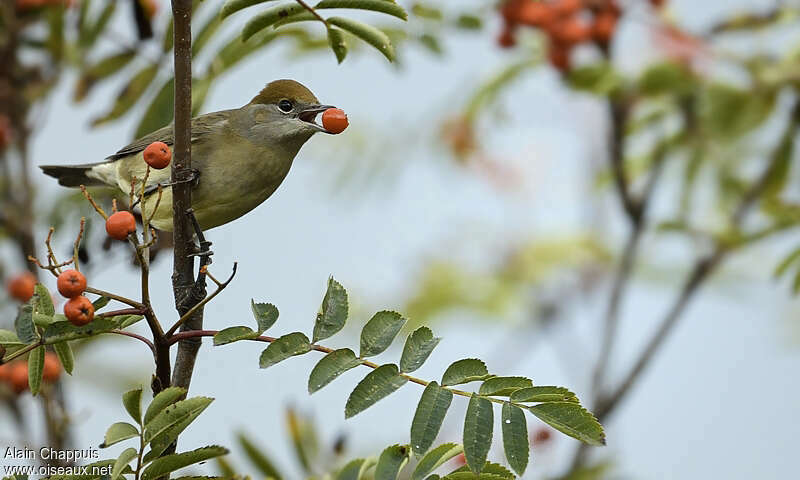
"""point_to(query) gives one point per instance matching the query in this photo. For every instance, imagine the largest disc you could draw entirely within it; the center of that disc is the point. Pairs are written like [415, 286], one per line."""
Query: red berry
[157, 155]
[18, 377]
[605, 24]
[71, 283]
[21, 286]
[536, 14]
[571, 32]
[565, 8]
[79, 311]
[52, 367]
[334, 120]
[120, 225]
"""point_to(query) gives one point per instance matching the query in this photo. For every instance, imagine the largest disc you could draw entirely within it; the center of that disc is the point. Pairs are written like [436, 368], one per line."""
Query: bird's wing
[201, 126]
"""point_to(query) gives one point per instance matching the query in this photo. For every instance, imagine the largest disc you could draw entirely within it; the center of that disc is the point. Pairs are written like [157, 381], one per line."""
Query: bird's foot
[202, 249]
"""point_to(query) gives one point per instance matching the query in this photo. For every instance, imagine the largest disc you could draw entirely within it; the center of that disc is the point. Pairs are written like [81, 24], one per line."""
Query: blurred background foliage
[699, 149]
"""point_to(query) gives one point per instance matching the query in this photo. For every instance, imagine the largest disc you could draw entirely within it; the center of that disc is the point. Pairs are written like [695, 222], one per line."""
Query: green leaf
[122, 461]
[284, 347]
[429, 416]
[88, 35]
[43, 303]
[599, 78]
[23, 324]
[234, 334]
[205, 34]
[100, 303]
[35, 369]
[379, 332]
[419, 346]
[433, 459]
[382, 6]
[478, 425]
[266, 315]
[104, 68]
[391, 461]
[118, 432]
[515, 437]
[571, 419]
[62, 331]
[256, 456]
[170, 463]
[378, 384]
[338, 44]
[267, 18]
[331, 366]
[175, 414]
[666, 78]
[368, 33]
[543, 394]
[132, 400]
[469, 22]
[9, 338]
[125, 321]
[503, 386]
[355, 469]
[160, 442]
[95, 471]
[160, 111]
[782, 267]
[165, 397]
[427, 12]
[129, 95]
[333, 313]
[465, 371]
[64, 352]
[490, 471]
[232, 6]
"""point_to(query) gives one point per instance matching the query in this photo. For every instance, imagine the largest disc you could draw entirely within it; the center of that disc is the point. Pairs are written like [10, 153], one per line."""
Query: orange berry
[21, 286]
[18, 377]
[79, 311]
[605, 24]
[334, 120]
[5, 372]
[157, 155]
[565, 8]
[571, 32]
[71, 283]
[120, 225]
[150, 7]
[52, 367]
[542, 435]
[510, 10]
[536, 14]
[559, 57]
[506, 38]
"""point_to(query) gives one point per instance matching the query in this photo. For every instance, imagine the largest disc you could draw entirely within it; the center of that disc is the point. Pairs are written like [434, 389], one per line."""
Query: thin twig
[92, 202]
[137, 337]
[201, 304]
[313, 12]
[114, 296]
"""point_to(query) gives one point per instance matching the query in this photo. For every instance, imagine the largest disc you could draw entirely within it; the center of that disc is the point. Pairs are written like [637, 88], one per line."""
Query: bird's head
[284, 110]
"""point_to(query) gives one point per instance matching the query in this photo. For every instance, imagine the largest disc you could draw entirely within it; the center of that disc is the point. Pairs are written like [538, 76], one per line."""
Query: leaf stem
[313, 12]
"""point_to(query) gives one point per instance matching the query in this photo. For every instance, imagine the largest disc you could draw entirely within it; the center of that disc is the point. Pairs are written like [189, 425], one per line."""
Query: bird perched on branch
[241, 156]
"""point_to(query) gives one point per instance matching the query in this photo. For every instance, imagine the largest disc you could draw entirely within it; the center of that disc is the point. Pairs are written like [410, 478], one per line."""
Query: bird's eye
[285, 106]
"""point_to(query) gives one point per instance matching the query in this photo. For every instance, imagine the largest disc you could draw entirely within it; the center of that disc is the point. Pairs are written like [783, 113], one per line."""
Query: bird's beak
[309, 115]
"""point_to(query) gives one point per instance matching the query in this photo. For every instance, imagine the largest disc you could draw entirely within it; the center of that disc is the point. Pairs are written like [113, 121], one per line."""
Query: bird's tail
[72, 175]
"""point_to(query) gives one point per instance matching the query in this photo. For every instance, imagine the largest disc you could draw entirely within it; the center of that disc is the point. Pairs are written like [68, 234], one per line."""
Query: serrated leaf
[378, 384]
[43, 303]
[465, 371]
[478, 425]
[266, 315]
[284, 347]
[391, 461]
[165, 397]
[379, 332]
[122, 461]
[429, 416]
[175, 414]
[331, 366]
[64, 352]
[118, 432]
[419, 346]
[129, 95]
[433, 459]
[490, 471]
[571, 419]
[368, 33]
[170, 463]
[268, 17]
[515, 437]
[234, 334]
[389, 8]
[168, 436]
[338, 44]
[232, 6]
[9, 338]
[132, 400]
[333, 313]
[355, 469]
[35, 369]
[100, 303]
[503, 386]
[257, 457]
[40, 320]
[24, 326]
[61, 331]
[543, 394]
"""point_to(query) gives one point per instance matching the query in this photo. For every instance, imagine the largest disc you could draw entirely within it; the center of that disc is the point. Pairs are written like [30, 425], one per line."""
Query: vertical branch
[183, 270]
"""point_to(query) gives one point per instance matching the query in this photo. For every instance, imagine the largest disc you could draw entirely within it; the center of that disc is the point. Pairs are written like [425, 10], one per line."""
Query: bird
[239, 156]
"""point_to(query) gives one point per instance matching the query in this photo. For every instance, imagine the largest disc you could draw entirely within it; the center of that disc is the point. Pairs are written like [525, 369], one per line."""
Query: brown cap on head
[284, 89]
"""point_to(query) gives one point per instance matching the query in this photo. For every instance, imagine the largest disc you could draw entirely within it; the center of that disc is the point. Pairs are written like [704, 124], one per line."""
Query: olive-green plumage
[241, 155]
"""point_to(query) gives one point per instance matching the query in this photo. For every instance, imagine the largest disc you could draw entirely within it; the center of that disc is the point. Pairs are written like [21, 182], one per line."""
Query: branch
[220, 287]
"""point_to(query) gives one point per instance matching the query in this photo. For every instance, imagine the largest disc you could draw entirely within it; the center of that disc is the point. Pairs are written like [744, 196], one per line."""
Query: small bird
[241, 156]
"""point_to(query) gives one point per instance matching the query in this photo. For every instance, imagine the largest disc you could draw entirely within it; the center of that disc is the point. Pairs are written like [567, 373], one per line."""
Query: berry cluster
[567, 23]
[15, 374]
